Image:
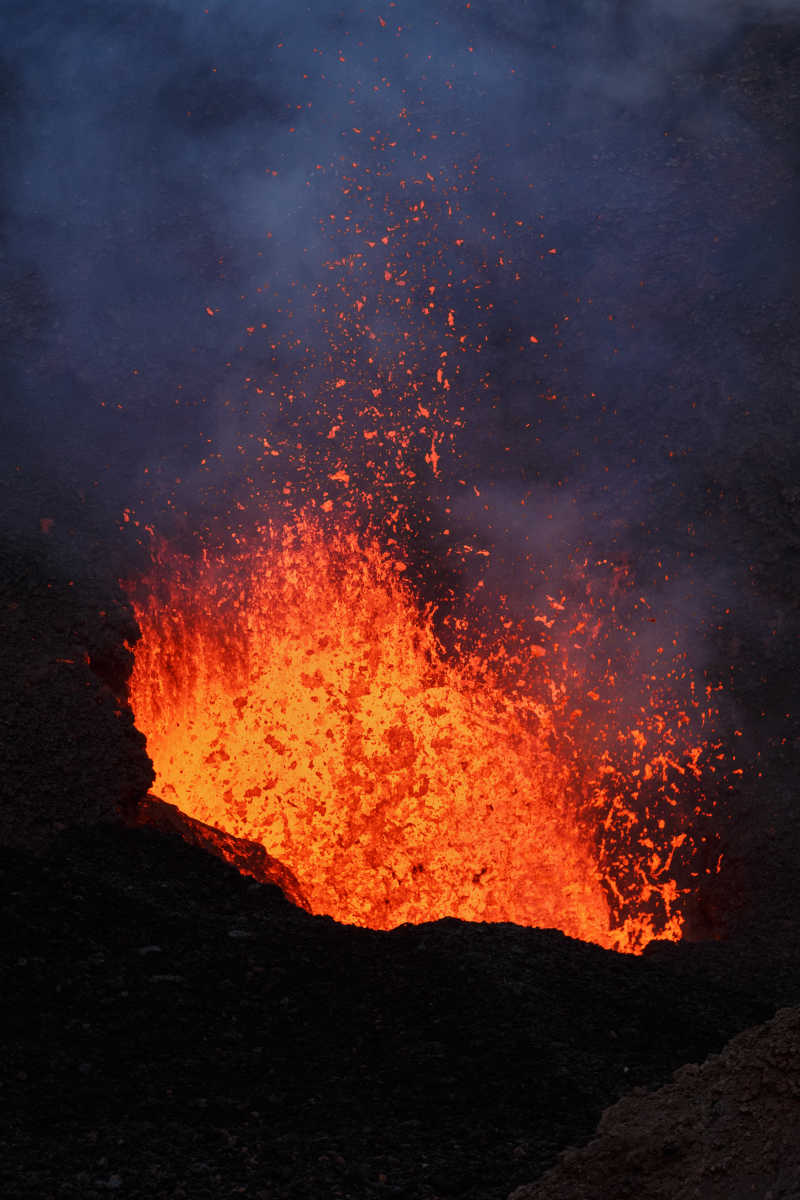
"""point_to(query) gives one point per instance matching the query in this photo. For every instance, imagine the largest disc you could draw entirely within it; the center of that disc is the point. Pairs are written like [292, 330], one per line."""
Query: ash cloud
[152, 149]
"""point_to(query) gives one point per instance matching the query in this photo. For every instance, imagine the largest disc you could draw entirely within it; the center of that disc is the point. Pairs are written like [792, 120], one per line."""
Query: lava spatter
[294, 692]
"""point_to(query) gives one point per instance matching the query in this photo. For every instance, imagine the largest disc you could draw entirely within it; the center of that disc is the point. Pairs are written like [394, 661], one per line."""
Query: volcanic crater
[350, 845]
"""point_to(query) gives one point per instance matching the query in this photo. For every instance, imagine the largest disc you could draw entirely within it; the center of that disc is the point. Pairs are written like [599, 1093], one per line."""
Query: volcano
[398, 600]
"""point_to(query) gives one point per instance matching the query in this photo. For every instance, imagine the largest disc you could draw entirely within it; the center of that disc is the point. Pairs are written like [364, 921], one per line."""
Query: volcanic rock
[308, 1058]
[250, 858]
[725, 1130]
[69, 750]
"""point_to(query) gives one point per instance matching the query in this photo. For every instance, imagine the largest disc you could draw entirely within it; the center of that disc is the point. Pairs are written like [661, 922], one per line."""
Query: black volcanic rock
[69, 750]
[250, 858]
[174, 1024]
[721, 1130]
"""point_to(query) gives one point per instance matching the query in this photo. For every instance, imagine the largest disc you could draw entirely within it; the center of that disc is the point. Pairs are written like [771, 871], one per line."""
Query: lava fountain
[295, 693]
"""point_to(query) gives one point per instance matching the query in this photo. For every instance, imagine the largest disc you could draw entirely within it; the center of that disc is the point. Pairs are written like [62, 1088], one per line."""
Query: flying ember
[405, 763]
[295, 692]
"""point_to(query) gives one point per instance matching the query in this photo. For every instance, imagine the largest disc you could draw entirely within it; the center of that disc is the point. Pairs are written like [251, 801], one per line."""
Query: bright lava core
[295, 693]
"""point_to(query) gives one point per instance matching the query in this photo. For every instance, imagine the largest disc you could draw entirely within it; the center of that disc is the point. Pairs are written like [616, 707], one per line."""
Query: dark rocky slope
[173, 1029]
[725, 1130]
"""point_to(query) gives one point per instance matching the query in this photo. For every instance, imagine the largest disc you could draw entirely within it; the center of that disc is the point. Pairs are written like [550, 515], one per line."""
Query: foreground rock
[725, 1130]
[70, 753]
[177, 1026]
[250, 858]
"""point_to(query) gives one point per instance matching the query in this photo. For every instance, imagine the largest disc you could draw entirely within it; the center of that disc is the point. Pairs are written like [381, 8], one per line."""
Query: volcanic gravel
[173, 1029]
[721, 1131]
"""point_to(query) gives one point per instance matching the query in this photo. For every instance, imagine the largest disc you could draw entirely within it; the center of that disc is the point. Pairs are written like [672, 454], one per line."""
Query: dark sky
[163, 160]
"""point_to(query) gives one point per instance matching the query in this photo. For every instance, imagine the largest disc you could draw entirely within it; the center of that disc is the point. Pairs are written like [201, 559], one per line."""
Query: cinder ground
[726, 1129]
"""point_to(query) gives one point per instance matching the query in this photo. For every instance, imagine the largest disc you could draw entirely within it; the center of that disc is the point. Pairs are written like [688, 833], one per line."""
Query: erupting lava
[296, 694]
[406, 765]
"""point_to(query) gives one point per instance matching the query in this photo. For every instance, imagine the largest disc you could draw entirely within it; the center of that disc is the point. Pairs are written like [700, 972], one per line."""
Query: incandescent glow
[294, 692]
[545, 766]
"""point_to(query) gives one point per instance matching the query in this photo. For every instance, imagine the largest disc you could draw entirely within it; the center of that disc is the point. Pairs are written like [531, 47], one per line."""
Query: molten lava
[296, 694]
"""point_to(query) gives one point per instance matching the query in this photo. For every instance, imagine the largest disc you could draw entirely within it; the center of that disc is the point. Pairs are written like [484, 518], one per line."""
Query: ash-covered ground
[172, 1028]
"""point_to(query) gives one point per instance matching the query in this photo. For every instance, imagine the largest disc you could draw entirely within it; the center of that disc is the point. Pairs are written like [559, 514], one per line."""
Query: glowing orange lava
[296, 694]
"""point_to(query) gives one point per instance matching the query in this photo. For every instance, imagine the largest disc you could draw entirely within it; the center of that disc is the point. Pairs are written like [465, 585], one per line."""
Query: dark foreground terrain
[173, 1029]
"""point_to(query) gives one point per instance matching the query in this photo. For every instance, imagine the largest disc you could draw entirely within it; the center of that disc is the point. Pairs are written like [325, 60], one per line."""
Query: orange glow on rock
[295, 693]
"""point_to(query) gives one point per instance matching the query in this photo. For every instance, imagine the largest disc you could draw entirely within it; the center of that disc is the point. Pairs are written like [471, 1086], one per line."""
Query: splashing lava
[296, 694]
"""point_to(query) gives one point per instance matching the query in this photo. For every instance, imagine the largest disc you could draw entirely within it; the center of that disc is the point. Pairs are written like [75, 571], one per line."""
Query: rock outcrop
[249, 858]
[69, 750]
[725, 1130]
